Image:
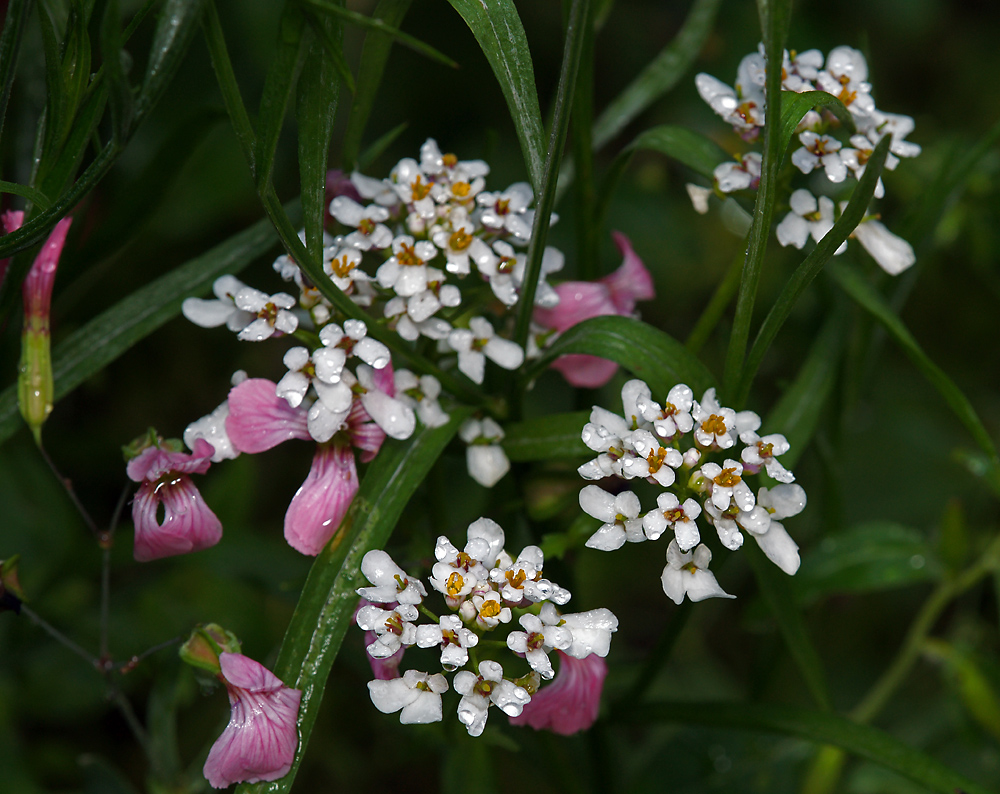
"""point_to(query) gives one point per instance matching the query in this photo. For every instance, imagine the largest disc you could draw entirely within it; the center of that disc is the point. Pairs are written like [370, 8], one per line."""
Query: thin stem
[428, 613]
[132, 663]
[68, 485]
[58, 636]
[119, 508]
[102, 648]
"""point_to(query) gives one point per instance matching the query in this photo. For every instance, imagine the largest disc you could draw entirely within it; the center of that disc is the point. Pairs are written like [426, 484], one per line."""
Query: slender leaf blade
[645, 351]
[697, 152]
[546, 437]
[500, 34]
[328, 599]
[795, 106]
[175, 29]
[15, 21]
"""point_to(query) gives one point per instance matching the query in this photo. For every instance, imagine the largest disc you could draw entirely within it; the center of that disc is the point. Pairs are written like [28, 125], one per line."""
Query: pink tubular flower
[616, 293]
[260, 740]
[571, 702]
[188, 523]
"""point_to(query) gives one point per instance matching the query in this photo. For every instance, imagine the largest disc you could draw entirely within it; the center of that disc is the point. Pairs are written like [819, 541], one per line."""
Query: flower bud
[11, 594]
[207, 641]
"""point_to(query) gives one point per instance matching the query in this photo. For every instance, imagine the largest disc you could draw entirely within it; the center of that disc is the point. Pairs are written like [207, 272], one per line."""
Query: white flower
[452, 636]
[674, 418]
[845, 76]
[421, 394]
[391, 584]
[856, 159]
[741, 175]
[782, 501]
[540, 635]
[521, 581]
[725, 523]
[727, 485]
[678, 517]
[212, 428]
[413, 188]
[742, 106]
[223, 310]
[381, 190]
[898, 126]
[651, 460]
[620, 515]
[699, 197]
[799, 72]
[343, 266]
[370, 232]
[820, 150]
[295, 383]
[713, 422]
[456, 242]
[434, 163]
[484, 457]
[890, 251]
[686, 573]
[508, 211]
[270, 313]
[763, 452]
[478, 342]
[406, 270]
[393, 628]
[488, 609]
[417, 696]
[807, 217]
[609, 435]
[478, 692]
[397, 310]
[591, 631]
[505, 270]
[393, 416]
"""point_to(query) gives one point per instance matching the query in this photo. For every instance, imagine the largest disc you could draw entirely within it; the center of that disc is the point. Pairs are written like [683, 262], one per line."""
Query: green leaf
[798, 411]
[660, 75]
[111, 333]
[803, 275]
[36, 197]
[374, 23]
[868, 557]
[545, 193]
[975, 689]
[645, 351]
[374, 55]
[334, 49]
[854, 284]
[776, 588]
[175, 29]
[278, 86]
[328, 599]
[500, 34]
[14, 23]
[315, 109]
[819, 727]
[794, 106]
[546, 437]
[119, 91]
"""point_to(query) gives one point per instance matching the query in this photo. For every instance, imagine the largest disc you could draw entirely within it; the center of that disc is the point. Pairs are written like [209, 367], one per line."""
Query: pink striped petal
[365, 435]
[188, 523]
[260, 740]
[320, 504]
[631, 282]
[152, 463]
[259, 419]
[585, 372]
[578, 301]
[11, 220]
[571, 702]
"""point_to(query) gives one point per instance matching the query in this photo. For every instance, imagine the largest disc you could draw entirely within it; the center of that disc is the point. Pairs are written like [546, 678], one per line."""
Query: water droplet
[917, 561]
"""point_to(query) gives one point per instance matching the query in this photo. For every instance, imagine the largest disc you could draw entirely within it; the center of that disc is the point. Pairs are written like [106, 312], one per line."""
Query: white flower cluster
[843, 73]
[484, 588]
[679, 445]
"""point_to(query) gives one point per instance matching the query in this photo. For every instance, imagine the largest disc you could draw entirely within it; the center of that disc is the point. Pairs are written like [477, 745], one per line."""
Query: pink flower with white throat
[260, 740]
[569, 704]
[616, 293]
[188, 523]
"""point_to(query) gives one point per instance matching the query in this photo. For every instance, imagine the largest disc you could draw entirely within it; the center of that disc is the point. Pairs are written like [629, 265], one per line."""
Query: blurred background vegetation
[891, 508]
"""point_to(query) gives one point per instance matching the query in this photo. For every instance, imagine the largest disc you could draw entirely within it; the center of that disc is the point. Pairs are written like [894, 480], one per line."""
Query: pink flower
[571, 702]
[259, 419]
[616, 293]
[188, 523]
[260, 740]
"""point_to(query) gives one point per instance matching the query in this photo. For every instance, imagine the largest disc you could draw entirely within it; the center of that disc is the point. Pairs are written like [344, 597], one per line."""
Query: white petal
[394, 417]
[486, 464]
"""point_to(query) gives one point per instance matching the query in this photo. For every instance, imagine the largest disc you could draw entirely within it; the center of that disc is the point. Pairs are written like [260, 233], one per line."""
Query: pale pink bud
[571, 702]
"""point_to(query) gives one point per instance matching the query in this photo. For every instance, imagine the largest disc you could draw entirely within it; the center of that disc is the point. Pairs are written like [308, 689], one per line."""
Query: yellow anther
[461, 189]
[490, 609]
[727, 478]
[715, 425]
[342, 266]
[516, 580]
[455, 584]
[419, 188]
[765, 450]
[449, 160]
[460, 240]
[408, 255]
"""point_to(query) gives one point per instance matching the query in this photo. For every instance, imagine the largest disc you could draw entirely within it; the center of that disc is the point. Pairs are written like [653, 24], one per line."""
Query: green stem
[58, 636]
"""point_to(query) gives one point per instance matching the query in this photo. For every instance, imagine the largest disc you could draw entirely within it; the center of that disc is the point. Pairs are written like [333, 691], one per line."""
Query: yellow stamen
[455, 584]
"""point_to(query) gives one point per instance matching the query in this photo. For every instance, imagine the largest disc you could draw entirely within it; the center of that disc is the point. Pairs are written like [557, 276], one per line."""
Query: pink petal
[153, 462]
[586, 372]
[578, 301]
[11, 220]
[260, 740]
[631, 282]
[384, 380]
[363, 432]
[571, 702]
[37, 287]
[320, 504]
[259, 419]
[188, 523]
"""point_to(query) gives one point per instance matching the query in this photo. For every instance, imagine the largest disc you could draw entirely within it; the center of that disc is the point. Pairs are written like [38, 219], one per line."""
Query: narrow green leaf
[119, 91]
[645, 351]
[546, 437]
[660, 75]
[545, 195]
[798, 411]
[36, 197]
[378, 147]
[975, 690]
[55, 90]
[794, 106]
[872, 556]
[107, 336]
[75, 65]
[374, 23]
[979, 465]
[854, 284]
[500, 34]
[328, 599]
[803, 275]
[175, 29]
[776, 589]
[14, 23]
[315, 109]
[774, 27]
[59, 167]
[820, 727]
[374, 55]
[278, 86]
[334, 49]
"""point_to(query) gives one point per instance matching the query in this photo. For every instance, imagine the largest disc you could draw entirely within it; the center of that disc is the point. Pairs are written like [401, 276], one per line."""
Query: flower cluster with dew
[829, 151]
[689, 448]
[487, 592]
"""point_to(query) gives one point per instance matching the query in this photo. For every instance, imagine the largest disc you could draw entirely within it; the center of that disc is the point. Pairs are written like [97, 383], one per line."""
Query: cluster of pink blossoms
[689, 448]
[484, 589]
[827, 151]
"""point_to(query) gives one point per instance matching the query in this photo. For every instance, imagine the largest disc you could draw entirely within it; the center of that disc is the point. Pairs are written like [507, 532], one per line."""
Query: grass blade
[546, 437]
[795, 106]
[14, 23]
